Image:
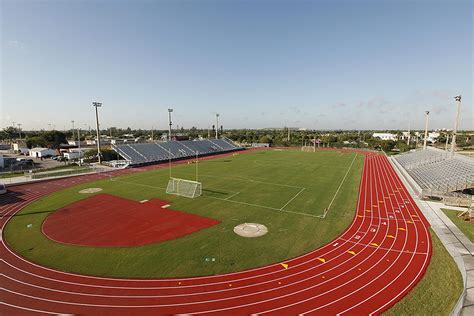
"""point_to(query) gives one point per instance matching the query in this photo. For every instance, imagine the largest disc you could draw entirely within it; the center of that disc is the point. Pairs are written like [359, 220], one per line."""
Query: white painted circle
[250, 230]
[90, 190]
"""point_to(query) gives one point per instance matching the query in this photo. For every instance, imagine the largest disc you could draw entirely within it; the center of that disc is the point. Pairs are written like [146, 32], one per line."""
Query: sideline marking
[231, 196]
[340, 185]
[292, 199]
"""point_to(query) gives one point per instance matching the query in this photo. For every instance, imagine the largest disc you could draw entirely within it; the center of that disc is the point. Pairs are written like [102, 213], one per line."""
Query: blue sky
[314, 64]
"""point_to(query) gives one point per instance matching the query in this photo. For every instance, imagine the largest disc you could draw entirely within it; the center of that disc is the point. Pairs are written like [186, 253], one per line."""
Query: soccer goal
[182, 187]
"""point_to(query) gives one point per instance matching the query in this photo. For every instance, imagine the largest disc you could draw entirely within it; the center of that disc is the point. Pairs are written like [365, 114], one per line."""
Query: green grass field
[438, 291]
[465, 227]
[284, 190]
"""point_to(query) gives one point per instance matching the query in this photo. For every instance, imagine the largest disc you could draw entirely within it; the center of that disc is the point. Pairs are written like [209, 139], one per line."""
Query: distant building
[261, 145]
[39, 152]
[20, 148]
[385, 136]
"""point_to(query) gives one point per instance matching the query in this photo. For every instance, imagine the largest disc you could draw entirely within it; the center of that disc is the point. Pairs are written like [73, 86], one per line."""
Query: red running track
[372, 265]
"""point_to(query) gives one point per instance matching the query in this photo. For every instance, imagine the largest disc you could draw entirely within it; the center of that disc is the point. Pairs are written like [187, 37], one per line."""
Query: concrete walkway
[457, 244]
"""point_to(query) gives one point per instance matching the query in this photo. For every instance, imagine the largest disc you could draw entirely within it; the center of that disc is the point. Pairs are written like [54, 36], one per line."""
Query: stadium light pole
[169, 122]
[19, 130]
[408, 137]
[97, 105]
[427, 117]
[447, 141]
[456, 122]
[217, 125]
[79, 141]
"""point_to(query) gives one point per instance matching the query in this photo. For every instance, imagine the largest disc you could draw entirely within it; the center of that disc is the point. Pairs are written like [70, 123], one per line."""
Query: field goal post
[183, 187]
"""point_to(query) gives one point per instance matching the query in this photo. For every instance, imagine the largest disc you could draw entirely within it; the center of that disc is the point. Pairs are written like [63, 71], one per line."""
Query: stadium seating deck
[436, 169]
[145, 153]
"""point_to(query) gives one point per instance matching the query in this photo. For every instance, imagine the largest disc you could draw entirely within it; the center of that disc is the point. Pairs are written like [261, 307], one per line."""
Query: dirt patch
[105, 220]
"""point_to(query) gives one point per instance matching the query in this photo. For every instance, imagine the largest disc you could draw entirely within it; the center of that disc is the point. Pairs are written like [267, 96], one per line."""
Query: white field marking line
[246, 179]
[30, 309]
[294, 197]
[290, 294]
[231, 196]
[261, 206]
[134, 280]
[425, 263]
[340, 185]
[381, 274]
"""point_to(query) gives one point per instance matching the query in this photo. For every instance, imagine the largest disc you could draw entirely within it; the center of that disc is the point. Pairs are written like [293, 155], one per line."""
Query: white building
[20, 148]
[74, 154]
[432, 137]
[385, 136]
[39, 152]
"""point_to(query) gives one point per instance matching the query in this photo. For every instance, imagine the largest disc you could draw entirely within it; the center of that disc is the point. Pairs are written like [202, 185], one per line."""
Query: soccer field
[287, 191]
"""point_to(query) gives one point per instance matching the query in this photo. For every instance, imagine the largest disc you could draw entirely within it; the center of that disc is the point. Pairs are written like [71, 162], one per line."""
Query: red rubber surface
[106, 220]
[373, 264]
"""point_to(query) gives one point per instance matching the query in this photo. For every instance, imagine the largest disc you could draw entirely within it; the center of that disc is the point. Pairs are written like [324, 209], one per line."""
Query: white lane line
[30, 309]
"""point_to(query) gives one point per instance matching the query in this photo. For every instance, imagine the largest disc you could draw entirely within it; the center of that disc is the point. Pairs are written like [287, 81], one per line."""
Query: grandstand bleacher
[147, 153]
[435, 169]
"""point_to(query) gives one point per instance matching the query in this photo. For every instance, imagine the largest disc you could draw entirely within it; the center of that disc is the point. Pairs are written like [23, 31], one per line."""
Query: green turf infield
[285, 190]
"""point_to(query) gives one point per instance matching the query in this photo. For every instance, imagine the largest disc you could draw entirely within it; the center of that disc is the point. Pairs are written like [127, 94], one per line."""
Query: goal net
[182, 187]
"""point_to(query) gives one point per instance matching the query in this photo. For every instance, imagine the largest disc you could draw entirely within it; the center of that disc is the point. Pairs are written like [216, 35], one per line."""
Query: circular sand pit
[90, 190]
[250, 230]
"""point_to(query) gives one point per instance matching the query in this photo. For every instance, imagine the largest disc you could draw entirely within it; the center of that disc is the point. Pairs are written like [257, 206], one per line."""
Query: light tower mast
[217, 125]
[169, 122]
[97, 105]
[427, 118]
[458, 112]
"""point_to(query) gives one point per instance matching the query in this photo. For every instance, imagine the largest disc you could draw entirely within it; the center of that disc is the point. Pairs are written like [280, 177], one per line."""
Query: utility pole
[217, 125]
[288, 134]
[458, 112]
[19, 130]
[73, 134]
[447, 141]
[169, 122]
[79, 139]
[97, 105]
[208, 132]
[408, 138]
[427, 117]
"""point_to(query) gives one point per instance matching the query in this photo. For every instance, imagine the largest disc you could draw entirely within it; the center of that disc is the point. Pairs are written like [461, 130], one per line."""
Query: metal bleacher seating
[145, 153]
[435, 169]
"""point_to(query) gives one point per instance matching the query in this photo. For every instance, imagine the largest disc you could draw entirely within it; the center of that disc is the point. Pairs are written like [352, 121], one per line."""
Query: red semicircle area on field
[105, 220]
